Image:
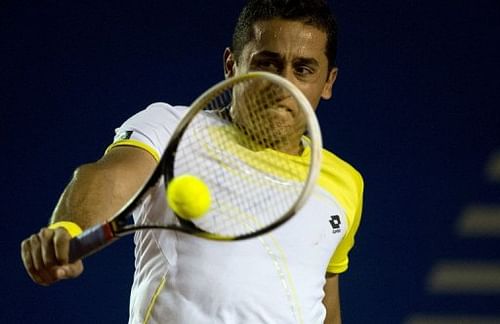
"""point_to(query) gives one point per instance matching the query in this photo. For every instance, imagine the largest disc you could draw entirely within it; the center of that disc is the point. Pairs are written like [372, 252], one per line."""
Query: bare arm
[332, 299]
[95, 192]
[99, 189]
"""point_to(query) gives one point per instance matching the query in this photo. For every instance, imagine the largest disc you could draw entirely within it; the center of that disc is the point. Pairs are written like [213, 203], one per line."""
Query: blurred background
[416, 109]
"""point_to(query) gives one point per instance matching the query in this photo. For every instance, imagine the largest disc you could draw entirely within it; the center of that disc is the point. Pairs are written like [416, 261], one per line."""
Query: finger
[35, 252]
[47, 246]
[36, 257]
[61, 245]
[70, 270]
[28, 262]
[47, 237]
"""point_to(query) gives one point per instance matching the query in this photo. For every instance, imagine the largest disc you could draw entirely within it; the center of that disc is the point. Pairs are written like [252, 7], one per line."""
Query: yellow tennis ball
[188, 196]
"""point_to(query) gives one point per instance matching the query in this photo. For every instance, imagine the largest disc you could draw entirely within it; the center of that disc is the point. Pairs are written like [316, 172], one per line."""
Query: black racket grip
[90, 241]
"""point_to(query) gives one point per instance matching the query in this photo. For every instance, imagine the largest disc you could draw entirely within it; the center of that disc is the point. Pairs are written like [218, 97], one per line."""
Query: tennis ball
[188, 196]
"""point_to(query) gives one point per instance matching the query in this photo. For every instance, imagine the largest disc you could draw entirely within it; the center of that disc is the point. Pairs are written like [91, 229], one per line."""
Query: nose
[286, 73]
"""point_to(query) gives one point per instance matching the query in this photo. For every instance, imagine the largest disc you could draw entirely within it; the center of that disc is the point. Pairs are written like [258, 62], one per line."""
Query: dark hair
[311, 12]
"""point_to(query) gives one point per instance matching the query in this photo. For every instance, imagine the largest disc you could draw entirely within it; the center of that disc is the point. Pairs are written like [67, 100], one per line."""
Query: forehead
[288, 38]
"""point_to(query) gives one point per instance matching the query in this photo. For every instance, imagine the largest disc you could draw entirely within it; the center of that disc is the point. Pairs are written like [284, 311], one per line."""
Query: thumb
[68, 271]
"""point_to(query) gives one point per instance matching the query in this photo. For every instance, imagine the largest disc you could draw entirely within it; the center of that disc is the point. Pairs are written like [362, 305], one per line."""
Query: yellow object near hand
[188, 196]
[72, 228]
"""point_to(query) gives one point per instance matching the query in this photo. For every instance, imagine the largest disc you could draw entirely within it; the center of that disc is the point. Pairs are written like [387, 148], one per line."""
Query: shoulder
[159, 112]
[156, 120]
[150, 128]
[347, 186]
[334, 165]
[345, 183]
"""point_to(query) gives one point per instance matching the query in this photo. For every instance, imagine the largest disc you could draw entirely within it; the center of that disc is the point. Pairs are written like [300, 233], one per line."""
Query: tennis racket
[254, 140]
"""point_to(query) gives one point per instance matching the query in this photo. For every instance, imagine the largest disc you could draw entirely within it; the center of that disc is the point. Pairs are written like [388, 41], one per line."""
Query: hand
[45, 257]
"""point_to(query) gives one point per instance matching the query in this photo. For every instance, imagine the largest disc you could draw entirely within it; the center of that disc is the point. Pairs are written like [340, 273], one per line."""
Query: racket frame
[99, 236]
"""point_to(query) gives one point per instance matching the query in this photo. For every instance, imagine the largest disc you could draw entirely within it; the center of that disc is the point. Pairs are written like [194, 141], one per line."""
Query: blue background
[415, 109]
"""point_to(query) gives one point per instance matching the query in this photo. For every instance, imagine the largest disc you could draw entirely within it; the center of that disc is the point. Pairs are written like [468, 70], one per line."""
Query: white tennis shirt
[275, 278]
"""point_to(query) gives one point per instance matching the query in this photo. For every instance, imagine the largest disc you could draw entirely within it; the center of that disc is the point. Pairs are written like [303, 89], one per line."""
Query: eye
[266, 65]
[304, 70]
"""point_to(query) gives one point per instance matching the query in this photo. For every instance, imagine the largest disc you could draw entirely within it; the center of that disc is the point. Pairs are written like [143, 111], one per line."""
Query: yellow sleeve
[353, 207]
[138, 144]
[340, 260]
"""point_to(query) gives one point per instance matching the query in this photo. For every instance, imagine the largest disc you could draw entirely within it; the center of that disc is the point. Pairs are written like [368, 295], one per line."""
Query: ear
[229, 63]
[330, 81]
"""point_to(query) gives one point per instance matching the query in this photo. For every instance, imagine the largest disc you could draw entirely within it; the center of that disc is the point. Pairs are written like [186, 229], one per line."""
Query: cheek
[313, 95]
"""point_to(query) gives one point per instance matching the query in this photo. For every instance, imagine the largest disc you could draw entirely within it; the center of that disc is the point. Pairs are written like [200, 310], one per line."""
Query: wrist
[72, 228]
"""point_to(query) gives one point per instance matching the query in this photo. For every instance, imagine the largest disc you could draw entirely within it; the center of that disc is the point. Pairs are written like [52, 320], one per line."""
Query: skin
[295, 51]
[291, 49]
[332, 299]
[95, 192]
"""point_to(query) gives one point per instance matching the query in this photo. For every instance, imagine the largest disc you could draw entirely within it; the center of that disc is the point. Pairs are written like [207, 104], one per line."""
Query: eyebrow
[308, 61]
[267, 54]
[274, 55]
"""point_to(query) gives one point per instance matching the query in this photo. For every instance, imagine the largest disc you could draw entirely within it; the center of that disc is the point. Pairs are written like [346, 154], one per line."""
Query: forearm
[332, 314]
[332, 300]
[90, 198]
[98, 190]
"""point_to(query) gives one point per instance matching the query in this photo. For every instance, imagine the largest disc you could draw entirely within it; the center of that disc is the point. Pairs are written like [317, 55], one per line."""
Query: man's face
[293, 50]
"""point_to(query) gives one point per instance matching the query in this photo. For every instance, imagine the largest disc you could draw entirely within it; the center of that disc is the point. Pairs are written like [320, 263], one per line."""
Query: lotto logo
[335, 222]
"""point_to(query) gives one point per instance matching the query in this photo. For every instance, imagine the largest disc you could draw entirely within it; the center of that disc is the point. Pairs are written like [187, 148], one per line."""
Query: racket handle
[90, 241]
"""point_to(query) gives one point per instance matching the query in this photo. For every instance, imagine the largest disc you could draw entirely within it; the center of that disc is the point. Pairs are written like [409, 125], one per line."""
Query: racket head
[245, 157]
[238, 137]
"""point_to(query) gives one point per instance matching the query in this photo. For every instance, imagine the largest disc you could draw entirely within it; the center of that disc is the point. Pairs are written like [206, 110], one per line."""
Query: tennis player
[290, 275]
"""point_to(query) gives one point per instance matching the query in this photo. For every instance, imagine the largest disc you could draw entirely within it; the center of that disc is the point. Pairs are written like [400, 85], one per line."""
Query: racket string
[236, 155]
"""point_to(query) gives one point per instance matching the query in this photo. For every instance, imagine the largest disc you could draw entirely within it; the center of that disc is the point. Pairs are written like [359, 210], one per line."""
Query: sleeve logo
[335, 223]
[123, 136]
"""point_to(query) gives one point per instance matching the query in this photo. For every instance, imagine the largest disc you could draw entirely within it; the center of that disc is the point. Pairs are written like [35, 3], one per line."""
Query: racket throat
[91, 241]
